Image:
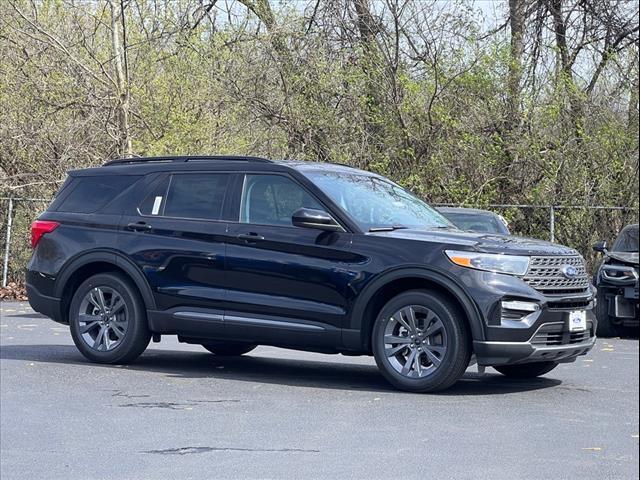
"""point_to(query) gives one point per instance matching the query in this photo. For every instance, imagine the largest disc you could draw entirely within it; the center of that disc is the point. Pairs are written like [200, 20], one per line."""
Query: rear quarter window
[89, 194]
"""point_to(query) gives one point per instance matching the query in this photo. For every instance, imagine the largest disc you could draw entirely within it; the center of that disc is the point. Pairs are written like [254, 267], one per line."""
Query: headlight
[510, 264]
[619, 274]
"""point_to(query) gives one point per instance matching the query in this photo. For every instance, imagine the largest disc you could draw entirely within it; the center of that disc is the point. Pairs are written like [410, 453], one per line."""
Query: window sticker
[156, 205]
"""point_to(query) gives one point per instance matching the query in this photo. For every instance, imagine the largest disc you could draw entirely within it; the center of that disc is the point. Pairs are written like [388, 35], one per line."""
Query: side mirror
[318, 219]
[600, 247]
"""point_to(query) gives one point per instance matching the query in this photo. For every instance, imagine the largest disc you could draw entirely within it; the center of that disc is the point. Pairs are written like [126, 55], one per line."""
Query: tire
[605, 327]
[229, 349]
[442, 357]
[108, 320]
[527, 370]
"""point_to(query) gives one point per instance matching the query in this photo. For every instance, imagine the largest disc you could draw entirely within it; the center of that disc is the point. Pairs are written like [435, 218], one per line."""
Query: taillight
[39, 228]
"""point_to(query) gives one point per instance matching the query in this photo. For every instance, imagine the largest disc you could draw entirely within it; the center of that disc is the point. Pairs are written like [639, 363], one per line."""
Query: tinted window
[89, 194]
[196, 196]
[155, 201]
[476, 222]
[627, 241]
[272, 199]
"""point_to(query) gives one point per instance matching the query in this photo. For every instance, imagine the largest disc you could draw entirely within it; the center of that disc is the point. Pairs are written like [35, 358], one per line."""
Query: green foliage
[434, 120]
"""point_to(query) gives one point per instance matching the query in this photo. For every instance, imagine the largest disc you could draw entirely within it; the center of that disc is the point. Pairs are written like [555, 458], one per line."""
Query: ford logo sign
[569, 271]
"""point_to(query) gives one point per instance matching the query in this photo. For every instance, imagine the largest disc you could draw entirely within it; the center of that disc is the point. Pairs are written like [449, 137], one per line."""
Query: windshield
[627, 241]
[377, 203]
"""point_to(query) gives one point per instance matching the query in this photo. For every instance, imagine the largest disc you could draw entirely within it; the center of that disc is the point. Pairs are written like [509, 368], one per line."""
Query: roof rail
[186, 158]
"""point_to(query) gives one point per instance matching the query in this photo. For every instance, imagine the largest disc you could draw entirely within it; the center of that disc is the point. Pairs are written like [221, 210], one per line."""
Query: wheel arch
[98, 261]
[388, 285]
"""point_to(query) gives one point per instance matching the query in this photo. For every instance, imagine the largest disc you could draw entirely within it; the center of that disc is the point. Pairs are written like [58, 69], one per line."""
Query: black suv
[232, 252]
[617, 283]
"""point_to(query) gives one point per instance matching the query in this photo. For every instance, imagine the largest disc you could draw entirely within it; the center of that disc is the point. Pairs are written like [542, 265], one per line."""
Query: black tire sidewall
[137, 336]
[458, 342]
[605, 327]
[230, 349]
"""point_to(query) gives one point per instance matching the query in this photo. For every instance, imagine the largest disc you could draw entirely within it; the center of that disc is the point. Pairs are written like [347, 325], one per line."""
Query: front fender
[356, 331]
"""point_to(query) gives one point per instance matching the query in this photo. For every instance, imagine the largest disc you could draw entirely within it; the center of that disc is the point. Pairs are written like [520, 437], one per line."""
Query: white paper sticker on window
[156, 206]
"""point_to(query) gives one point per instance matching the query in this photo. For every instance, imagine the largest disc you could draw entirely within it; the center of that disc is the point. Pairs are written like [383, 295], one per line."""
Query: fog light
[520, 306]
[518, 313]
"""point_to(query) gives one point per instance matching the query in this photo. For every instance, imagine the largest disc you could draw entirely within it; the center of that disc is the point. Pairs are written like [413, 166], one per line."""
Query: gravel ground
[180, 412]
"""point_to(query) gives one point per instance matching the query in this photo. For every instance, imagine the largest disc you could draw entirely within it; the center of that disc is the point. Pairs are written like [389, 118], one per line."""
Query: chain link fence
[573, 225]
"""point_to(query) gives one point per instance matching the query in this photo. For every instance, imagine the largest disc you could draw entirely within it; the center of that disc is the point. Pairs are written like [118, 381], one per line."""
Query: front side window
[272, 200]
[197, 196]
[374, 202]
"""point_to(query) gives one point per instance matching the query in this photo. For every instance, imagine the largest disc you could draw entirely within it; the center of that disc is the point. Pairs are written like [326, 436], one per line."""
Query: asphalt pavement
[180, 412]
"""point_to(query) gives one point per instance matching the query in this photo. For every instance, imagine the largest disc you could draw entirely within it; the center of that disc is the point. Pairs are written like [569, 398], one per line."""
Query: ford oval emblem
[569, 271]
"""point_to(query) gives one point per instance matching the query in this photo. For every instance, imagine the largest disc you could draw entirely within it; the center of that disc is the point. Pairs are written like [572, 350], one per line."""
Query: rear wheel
[421, 342]
[526, 370]
[108, 320]
[229, 349]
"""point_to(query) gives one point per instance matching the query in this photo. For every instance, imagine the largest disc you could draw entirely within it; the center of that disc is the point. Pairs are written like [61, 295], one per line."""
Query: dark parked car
[617, 283]
[233, 252]
[474, 220]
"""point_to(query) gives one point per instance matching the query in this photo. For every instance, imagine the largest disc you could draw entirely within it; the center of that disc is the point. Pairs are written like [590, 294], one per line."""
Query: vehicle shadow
[280, 371]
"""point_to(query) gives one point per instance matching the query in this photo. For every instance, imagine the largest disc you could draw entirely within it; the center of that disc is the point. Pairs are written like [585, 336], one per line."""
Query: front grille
[545, 275]
[569, 305]
[555, 334]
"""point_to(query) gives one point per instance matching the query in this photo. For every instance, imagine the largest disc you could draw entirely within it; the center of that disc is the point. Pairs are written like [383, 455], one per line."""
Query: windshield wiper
[390, 228]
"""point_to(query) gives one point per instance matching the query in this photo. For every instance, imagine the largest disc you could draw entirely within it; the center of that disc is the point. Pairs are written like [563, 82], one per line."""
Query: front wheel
[527, 370]
[229, 349]
[421, 342]
[108, 320]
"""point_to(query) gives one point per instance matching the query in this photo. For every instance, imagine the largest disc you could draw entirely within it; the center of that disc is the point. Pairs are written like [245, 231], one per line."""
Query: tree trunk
[576, 111]
[122, 79]
[262, 9]
[517, 22]
[633, 114]
[372, 70]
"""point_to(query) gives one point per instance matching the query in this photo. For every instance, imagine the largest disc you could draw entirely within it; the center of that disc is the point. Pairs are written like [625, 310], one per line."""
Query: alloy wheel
[415, 341]
[103, 318]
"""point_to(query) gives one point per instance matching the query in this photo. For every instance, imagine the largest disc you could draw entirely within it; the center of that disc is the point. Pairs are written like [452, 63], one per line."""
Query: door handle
[250, 237]
[139, 227]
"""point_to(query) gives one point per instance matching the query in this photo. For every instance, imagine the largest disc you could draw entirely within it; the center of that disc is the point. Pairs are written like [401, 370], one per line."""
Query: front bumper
[621, 304]
[558, 346]
[523, 325]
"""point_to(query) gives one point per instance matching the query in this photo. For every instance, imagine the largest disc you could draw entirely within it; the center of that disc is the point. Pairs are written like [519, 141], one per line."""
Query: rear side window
[197, 196]
[156, 200]
[90, 194]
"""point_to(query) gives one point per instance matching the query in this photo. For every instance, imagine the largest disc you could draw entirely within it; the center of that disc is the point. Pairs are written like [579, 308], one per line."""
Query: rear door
[286, 285]
[176, 236]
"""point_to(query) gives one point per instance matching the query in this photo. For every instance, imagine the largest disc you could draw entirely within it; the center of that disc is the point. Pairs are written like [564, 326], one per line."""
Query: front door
[286, 285]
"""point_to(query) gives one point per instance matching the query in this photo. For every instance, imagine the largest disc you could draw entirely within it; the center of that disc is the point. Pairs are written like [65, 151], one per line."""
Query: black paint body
[291, 287]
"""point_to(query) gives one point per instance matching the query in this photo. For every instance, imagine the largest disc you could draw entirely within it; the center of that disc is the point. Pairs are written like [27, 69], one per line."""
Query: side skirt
[192, 323]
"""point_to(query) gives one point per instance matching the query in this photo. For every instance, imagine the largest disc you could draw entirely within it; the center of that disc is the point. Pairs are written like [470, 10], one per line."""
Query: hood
[482, 242]
[625, 257]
